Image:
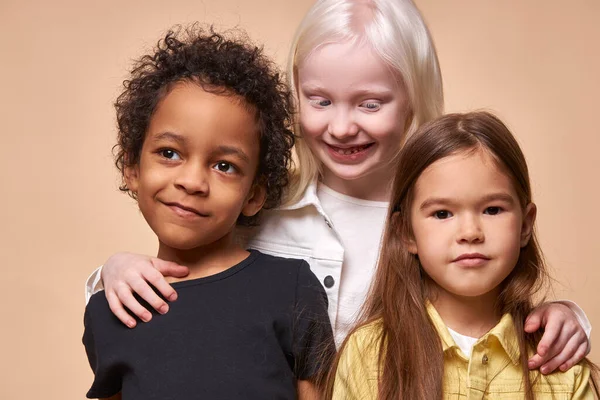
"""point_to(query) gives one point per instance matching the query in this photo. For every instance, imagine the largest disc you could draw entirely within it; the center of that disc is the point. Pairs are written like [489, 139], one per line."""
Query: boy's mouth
[181, 209]
[346, 151]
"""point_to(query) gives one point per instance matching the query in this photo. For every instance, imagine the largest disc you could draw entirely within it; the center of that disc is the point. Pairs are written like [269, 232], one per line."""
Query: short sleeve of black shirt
[313, 343]
[249, 332]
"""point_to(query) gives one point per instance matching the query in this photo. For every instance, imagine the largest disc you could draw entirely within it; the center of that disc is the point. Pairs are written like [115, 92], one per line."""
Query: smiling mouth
[346, 151]
[185, 210]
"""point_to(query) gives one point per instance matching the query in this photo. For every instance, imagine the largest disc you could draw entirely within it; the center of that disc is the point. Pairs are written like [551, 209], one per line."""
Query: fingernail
[130, 323]
[544, 370]
[146, 317]
[173, 297]
[531, 364]
[163, 309]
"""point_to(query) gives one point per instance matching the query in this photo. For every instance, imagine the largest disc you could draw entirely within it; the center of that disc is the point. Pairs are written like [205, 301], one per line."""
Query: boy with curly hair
[203, 144]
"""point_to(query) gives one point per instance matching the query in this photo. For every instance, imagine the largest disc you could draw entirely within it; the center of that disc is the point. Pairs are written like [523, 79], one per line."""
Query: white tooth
[348, 152]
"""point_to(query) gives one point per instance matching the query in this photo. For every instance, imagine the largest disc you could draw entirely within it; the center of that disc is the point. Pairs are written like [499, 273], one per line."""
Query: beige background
[535, 63]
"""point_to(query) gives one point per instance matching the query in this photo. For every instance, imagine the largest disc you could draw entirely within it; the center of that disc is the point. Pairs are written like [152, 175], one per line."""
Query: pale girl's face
[468, 224]
[353, 110]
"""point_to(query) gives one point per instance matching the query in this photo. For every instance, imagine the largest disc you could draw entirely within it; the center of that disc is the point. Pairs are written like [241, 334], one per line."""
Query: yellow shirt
[492, 372]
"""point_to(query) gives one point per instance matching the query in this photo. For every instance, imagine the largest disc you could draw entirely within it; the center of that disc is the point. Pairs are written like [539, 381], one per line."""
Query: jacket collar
[504, 332]
[309, 198]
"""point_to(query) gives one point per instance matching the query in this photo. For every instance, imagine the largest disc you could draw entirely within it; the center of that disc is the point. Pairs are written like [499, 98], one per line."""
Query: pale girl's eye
[170, 154]
[492, 210]
[225, 167]
[442, 214]
[319, 103]
[371, 105]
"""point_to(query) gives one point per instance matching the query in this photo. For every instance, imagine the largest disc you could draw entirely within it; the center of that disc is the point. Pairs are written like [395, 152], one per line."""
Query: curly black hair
[225, 63]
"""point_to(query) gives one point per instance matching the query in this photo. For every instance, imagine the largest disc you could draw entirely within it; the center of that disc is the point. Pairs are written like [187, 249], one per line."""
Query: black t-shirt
[249, 332]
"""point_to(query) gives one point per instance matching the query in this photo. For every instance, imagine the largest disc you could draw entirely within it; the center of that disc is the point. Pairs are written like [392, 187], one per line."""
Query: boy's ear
[255, 200]
[528, 220]
[131, 175]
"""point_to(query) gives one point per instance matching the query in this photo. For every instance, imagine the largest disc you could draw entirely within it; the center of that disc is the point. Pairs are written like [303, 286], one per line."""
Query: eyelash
[448, 214]
[228, 164]
[317, 103]
[162, 152]
[366, 105]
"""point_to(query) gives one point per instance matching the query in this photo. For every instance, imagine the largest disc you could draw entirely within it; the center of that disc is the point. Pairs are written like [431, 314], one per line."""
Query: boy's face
[197, 167]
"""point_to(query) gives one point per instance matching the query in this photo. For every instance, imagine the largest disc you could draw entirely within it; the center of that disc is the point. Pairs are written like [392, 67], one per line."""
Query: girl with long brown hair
[457, 274]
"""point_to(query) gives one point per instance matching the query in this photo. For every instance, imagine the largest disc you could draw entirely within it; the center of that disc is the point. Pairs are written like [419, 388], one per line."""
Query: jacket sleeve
[93, 284]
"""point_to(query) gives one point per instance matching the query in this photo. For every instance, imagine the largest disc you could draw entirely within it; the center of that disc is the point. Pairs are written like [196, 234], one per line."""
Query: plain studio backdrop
[534, 63]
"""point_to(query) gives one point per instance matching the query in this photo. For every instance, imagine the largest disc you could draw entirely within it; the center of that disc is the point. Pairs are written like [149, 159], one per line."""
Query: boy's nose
[342, 125]
[193, 179]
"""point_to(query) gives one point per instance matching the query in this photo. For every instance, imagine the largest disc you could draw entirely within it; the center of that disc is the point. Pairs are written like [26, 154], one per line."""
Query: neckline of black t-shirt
[220, 275]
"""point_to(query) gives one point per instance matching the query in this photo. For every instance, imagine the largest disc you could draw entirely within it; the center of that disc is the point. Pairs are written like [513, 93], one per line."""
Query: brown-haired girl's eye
[442, 214]
[492, 210]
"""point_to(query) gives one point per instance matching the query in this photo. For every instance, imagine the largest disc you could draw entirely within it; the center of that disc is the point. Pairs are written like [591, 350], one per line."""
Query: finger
[159, 282]
[168, 268]
[533, 322]
[126, 297]
[117, 309]
[142, 288]
[556, 353]
[552, 333]
[577, 357]
[535, 361]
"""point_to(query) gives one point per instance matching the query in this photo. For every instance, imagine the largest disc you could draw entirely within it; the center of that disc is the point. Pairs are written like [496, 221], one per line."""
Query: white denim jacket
[303, 230]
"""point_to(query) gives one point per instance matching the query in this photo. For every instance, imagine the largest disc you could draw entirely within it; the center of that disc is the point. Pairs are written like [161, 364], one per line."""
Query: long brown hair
[411, 357]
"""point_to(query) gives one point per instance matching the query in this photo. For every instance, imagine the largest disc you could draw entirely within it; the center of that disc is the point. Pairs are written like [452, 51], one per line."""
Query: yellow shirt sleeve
[356, 374]
[583, 387]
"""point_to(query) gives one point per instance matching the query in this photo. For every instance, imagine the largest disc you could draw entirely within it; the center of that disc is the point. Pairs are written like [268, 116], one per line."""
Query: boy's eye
[170, 154]
[492, 210]
[225, 167]
[320, 102]
[442, 214]
[371, 105]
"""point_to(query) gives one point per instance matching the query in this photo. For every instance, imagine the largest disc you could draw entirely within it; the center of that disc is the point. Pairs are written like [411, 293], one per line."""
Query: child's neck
[376, 186]
[469, 316]
[204, 260]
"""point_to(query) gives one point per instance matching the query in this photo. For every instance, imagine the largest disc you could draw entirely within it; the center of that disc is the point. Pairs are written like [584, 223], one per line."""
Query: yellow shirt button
[484, 359]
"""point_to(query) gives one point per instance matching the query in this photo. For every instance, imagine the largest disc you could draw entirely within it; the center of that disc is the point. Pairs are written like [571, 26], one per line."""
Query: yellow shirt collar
[504, 332]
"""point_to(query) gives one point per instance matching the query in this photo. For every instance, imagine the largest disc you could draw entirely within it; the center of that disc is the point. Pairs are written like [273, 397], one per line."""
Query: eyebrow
[369, 91]
[169, 136]
[235, 151]
[485, 199]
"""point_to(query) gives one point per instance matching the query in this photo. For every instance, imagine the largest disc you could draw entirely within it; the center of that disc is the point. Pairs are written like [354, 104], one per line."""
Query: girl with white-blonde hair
[366, 75]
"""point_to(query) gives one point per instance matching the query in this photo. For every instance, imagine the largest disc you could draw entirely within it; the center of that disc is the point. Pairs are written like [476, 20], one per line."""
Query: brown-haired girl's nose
[470, 230]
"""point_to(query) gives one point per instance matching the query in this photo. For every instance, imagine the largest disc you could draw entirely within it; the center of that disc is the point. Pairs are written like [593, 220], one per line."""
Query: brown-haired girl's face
[468, 225]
